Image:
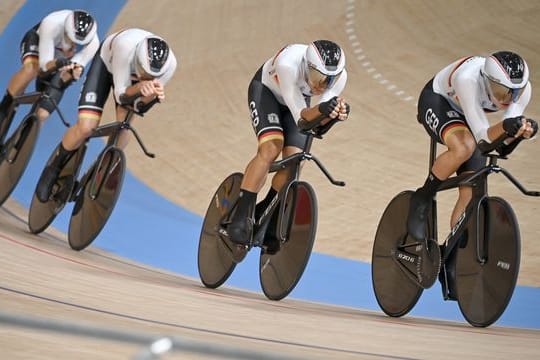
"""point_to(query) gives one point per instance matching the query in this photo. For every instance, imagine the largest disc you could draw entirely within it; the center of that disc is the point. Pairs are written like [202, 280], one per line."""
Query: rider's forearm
[495, 131]
[310, 117]
[132, 93]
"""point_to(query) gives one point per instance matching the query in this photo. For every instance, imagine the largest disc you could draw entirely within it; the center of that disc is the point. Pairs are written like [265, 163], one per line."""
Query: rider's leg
[72, 140]
[279, 179]
[18, 83]
[54, 87]
[93, 96]
[28, 71]
[461, 145]
[254, 177]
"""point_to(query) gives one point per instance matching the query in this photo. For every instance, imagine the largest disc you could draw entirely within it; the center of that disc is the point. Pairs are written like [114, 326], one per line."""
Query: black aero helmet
[152, 55]
[324, 62]
[80, 27]
[506, 75]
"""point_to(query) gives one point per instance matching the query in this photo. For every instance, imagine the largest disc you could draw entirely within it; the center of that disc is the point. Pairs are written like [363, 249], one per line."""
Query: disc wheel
[280, 272]
[97, 198]
[487, 264]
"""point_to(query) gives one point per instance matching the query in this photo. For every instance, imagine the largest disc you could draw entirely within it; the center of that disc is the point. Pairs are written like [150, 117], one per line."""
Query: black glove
[512, 125]
[61, 62]
[326, 107]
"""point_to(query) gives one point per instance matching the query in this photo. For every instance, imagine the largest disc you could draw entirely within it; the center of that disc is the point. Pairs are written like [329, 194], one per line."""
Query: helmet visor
[318, 80]
[504, 94]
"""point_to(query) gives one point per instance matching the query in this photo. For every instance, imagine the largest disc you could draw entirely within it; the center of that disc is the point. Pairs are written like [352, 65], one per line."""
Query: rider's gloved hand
[512, 125]
[330, 108]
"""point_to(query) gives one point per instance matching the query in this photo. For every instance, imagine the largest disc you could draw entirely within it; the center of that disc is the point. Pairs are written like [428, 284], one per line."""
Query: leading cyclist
[452, 108]
[296, 89]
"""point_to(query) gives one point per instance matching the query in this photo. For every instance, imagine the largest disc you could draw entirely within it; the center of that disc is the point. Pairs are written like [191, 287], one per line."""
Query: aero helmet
[151, 57]
[324, 62]
[80, 27]
[506, 74]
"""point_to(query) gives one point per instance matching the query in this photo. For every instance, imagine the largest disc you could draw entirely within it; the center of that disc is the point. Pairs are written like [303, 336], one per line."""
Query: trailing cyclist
[56, 50]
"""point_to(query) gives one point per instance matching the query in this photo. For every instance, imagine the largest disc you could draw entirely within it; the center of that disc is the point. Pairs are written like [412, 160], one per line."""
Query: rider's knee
[29, 70]
[466, 148]
[85, 127]
[270, 150]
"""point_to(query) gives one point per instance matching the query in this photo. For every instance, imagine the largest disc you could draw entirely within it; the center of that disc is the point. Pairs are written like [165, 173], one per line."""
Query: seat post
[307, 144]
[433, 219]
[432, 153]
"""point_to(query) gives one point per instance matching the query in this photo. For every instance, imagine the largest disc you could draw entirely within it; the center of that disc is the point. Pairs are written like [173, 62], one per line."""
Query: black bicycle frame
[293, 163]
[478, 182]
[112, 131]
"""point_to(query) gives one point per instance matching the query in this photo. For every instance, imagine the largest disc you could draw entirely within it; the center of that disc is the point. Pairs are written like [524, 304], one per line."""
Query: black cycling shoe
[417, 219]
[240, 231]
[46, 182]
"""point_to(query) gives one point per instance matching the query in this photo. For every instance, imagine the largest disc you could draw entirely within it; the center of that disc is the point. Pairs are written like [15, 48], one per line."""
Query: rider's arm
[47, 31]
[319, 115]
[468, 92]
[86, 54]
[290, 92]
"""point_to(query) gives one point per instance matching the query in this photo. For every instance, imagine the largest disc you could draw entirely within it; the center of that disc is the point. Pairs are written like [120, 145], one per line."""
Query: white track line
[364, 60]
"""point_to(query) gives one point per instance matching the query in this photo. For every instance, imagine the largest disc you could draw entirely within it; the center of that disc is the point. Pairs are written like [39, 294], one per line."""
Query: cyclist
[136, 64]
[297, 89]
[452, 108]
[55, 50]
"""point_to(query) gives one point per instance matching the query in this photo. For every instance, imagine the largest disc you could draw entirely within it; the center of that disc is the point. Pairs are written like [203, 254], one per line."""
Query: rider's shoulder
[58, 16]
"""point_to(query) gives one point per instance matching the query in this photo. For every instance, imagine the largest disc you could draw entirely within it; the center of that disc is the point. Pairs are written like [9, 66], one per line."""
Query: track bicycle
[477, 264]
[16, 150]
[284, 231]
[95, 192]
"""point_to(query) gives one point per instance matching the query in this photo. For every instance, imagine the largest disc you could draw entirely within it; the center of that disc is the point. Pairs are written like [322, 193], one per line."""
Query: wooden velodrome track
[392, 49]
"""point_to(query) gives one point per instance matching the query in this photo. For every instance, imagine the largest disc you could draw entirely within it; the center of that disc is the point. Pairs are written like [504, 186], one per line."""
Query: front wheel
[487, 263]
[16, 153]
[96, 200]
[215, 254]
[280, 272]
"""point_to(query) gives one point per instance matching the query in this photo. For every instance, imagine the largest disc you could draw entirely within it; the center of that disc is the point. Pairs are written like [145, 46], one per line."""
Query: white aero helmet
[506, 74]
[80, 27]
[152, 57]
[324, 62]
